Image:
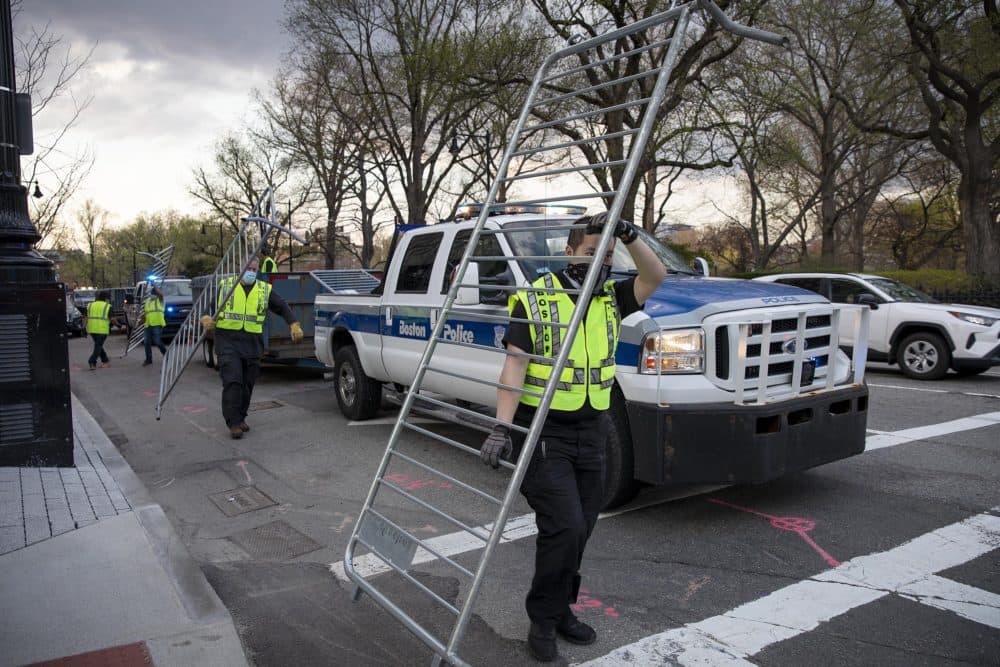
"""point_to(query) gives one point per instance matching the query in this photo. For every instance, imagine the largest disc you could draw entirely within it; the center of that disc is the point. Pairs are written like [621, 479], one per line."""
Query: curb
[199, 599]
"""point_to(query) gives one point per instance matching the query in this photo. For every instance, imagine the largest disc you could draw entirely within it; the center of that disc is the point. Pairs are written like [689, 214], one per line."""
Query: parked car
[74, 318]
[908, 327]
[83, 298]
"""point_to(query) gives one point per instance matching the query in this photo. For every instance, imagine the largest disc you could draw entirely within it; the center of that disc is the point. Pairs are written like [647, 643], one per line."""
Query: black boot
[542, 643]
[575, 631]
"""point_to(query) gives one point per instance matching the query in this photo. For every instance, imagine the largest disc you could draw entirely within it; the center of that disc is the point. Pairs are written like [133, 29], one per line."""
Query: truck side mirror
[869, 300]
[469, 296]
[700, 264]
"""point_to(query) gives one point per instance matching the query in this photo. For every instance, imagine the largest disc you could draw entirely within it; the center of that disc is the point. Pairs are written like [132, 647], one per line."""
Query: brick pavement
[39, 503]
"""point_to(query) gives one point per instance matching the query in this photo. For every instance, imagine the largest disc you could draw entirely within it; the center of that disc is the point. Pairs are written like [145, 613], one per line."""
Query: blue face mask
[249, 276]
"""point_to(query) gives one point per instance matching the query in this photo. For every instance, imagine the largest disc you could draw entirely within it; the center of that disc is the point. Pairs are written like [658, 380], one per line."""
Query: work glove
[297, 333]
[624, 231]
[496, 446]
[207, 323]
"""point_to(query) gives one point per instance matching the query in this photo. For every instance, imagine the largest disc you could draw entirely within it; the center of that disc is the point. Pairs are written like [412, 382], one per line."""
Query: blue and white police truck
[718, 380]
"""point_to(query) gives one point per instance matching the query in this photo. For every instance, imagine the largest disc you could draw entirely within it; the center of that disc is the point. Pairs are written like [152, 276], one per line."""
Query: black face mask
[578, 272]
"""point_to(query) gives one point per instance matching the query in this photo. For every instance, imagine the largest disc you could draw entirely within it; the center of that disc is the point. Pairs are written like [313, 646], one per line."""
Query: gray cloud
[234, 32]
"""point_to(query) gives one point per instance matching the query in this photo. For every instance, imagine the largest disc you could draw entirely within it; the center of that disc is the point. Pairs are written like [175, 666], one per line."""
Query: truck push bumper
[726, 443]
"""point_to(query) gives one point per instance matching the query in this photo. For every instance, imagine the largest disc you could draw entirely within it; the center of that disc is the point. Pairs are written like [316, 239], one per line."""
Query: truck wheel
[208, 353]
[358, 396]
[619, 484]
[924, 356]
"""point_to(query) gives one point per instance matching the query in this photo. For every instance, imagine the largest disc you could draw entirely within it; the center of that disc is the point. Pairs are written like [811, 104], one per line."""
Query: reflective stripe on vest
[243, 311]
[98, 318]
[154, 312]
[590, 368]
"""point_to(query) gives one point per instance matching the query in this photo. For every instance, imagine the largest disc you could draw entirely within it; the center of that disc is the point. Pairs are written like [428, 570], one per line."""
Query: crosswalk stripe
[735, 635]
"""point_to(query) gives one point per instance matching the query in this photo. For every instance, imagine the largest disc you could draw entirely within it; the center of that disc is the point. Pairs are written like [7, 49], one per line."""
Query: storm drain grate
[241, 500]
[264, 405]
[274, 541]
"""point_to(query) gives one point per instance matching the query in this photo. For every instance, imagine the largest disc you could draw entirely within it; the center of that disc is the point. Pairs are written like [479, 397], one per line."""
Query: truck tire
[208, 352]
[619, 484]
[358, 396]
[924, 356]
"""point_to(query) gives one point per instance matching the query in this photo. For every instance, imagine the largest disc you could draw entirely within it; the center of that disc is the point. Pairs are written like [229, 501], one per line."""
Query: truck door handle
[388, 315]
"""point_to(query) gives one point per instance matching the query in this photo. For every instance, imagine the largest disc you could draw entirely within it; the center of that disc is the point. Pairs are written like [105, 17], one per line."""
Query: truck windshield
[553, 242]
[176, 288]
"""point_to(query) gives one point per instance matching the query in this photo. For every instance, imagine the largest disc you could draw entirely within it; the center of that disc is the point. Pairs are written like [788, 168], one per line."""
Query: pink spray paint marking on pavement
[193, 409]
[792, 524]
[584, 602]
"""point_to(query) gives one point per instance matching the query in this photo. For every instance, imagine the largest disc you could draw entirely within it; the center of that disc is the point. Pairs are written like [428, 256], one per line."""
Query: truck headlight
[981, 320]
[673, 351]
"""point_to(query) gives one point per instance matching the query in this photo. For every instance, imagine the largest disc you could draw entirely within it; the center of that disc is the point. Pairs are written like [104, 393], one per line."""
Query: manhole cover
[264, 405]
[274, 541]
[243, 499]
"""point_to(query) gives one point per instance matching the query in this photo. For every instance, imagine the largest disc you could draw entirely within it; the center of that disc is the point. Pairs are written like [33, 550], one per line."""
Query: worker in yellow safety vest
[564, 480]
[154, 322]
[267, 264]
[99, 321]
[239, 343]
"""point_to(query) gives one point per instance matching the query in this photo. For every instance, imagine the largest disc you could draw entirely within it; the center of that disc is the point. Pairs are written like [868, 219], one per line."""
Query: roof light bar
[469, 211]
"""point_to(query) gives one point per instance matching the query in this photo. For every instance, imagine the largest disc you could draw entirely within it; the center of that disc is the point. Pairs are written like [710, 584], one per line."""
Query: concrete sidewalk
[91, 568]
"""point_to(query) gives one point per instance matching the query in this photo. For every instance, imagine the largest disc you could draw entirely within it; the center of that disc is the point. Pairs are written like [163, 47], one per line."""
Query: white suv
[909, 328]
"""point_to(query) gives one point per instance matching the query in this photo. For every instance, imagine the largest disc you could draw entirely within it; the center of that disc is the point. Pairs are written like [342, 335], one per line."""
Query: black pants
[151, 339]
[98, 349]
[564, 484]
[238, 375]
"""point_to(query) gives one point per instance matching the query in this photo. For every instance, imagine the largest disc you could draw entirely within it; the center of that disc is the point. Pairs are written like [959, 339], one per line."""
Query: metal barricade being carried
[158, 270]
[563, 93]
[251, 237]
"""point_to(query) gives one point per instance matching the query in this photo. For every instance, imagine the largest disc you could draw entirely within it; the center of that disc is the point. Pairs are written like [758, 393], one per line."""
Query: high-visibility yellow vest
[98, 318]
[268, 265]
[243, 311]
[154, 312]
[590, 369]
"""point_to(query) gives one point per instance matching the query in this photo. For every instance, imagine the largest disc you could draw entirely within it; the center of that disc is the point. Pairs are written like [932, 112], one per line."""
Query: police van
[755, 387]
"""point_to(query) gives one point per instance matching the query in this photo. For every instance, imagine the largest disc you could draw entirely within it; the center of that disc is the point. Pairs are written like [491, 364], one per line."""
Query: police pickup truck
[760, 387]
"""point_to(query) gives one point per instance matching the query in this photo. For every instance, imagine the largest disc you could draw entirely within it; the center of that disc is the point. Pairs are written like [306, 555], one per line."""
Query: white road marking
[368, 565]
[934, 391]
[735, 635]
[968, 602]
[931, 431]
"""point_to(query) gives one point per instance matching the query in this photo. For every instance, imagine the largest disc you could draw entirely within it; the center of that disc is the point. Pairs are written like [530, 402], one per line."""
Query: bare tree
[671, 149]
[91, 221]
[243, 169]
[421, 68]
[953, 60]
[46, 68]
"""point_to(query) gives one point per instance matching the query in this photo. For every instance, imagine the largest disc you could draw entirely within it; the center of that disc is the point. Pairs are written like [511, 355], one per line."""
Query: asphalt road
[762, 567]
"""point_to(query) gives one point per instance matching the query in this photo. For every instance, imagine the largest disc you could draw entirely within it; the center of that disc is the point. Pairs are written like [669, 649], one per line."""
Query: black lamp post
[455, 148]
[38, 429]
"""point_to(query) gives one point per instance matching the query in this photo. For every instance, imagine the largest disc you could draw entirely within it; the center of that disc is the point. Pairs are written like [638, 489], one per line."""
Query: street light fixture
[455, 148]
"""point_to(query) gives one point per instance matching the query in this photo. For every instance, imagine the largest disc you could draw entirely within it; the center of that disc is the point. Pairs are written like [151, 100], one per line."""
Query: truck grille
[782, 350]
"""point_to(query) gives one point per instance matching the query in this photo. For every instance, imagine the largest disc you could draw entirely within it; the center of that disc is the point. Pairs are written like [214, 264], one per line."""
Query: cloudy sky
[167, 78]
